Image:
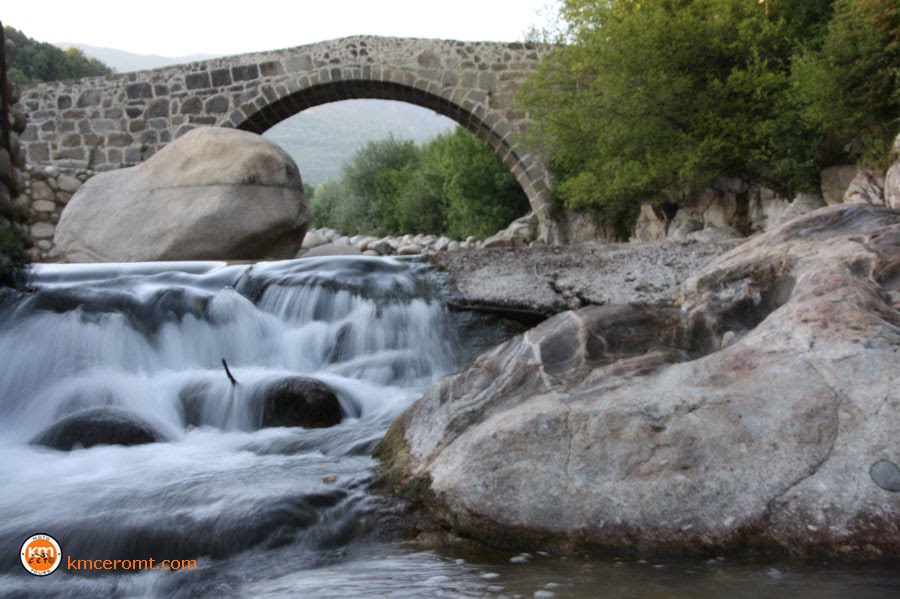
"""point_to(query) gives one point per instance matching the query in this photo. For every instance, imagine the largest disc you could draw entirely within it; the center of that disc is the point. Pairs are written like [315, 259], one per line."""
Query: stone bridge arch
[119, 120]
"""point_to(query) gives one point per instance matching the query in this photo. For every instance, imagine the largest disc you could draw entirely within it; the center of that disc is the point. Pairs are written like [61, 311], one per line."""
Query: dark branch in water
[228, 372]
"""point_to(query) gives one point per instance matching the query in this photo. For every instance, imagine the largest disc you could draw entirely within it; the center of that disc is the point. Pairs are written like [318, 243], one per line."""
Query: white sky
[181, 27]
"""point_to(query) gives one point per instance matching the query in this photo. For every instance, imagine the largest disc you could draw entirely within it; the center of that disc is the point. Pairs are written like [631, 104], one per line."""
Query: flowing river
[268, 511]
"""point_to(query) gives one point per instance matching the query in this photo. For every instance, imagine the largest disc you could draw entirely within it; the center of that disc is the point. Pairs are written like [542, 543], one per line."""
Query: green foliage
[482, 195]
[642, 97]
[453, 185]
[850, 87]
[34, 62]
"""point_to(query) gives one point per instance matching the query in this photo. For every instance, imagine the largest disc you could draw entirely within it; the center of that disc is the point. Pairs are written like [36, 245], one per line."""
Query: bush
[453, 185]
[850, 86]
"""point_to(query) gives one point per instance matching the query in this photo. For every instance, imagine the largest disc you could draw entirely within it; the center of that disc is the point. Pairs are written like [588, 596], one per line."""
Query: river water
[268, 512]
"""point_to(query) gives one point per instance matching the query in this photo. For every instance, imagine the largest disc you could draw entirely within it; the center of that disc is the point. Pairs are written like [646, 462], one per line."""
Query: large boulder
[761, 412]
[106, 425]
[213, 193]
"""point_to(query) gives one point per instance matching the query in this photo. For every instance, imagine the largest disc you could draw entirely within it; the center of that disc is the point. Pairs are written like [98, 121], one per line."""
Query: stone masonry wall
[45, 192]
[110, 122]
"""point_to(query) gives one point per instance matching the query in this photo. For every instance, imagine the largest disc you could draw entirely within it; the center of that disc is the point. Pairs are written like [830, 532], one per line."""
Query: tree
[642, 97]
[849, 87]
[482, 195]
[34, 62]
[454, 185]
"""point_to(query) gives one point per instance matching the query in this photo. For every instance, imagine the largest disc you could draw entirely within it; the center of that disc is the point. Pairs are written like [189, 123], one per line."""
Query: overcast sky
[181, 27]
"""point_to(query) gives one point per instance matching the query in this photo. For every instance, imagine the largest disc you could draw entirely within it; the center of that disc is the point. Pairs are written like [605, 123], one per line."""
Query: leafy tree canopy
[34, 62]
[453, 185]
[644, 96]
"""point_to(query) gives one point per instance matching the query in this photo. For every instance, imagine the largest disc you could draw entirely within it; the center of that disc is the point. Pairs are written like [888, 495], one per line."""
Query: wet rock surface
[98, 426]
[756, 415]
[299, 401]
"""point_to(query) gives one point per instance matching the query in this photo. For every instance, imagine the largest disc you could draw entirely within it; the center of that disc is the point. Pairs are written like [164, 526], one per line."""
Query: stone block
[197, 80]
[91, 97]
[271, 69]
[105, 125]
[193, 105]
[157, 108]
[68, 183]
[119, 140]
[42, 230]
[221, 77]
[31, 131]
[296, 64]
[72, 140]
[38, 152]
[137, 91]
[245, 72]
[43, 206]
[216, 105]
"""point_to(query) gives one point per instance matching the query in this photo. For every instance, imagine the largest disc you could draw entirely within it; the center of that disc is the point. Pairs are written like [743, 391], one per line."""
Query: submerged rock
[98, 426]
[299, 401]
[760, 413]
[211, 194]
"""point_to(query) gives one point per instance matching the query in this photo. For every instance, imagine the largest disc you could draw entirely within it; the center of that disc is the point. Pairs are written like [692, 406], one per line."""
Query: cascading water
[147, 342]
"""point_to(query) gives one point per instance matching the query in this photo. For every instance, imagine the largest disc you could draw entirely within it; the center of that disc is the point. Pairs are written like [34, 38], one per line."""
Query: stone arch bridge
[119, 120]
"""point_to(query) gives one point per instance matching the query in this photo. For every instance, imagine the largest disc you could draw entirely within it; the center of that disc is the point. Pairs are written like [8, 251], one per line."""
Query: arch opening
[278, 109]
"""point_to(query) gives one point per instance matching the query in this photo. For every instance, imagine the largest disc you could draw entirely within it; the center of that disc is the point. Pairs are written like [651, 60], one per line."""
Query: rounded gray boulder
[214, 193]
[97, 426]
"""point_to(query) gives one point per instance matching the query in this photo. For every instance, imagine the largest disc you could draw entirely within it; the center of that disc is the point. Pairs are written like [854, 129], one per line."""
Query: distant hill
[319, 139]
[125, 62]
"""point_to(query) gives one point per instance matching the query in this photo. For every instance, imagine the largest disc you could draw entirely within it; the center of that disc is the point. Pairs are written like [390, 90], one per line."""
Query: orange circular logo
[41, 555]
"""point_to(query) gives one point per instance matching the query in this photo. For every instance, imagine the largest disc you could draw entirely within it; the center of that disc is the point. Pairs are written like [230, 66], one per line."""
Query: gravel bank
[544, 280]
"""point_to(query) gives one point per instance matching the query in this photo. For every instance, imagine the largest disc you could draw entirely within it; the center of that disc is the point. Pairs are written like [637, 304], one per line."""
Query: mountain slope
[125, 62]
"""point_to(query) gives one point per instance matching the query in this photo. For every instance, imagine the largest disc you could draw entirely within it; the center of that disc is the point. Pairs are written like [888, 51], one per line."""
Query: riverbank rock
[759, 414]
[542, 280]
[213, 193]
[97, 426]
[299, 401]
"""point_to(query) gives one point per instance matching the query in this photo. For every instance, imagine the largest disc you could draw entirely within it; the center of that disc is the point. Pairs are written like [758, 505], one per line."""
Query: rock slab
[758, 414]
[214, 193]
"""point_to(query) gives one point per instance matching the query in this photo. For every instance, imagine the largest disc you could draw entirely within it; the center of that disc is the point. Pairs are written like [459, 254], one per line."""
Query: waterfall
[147, 341]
